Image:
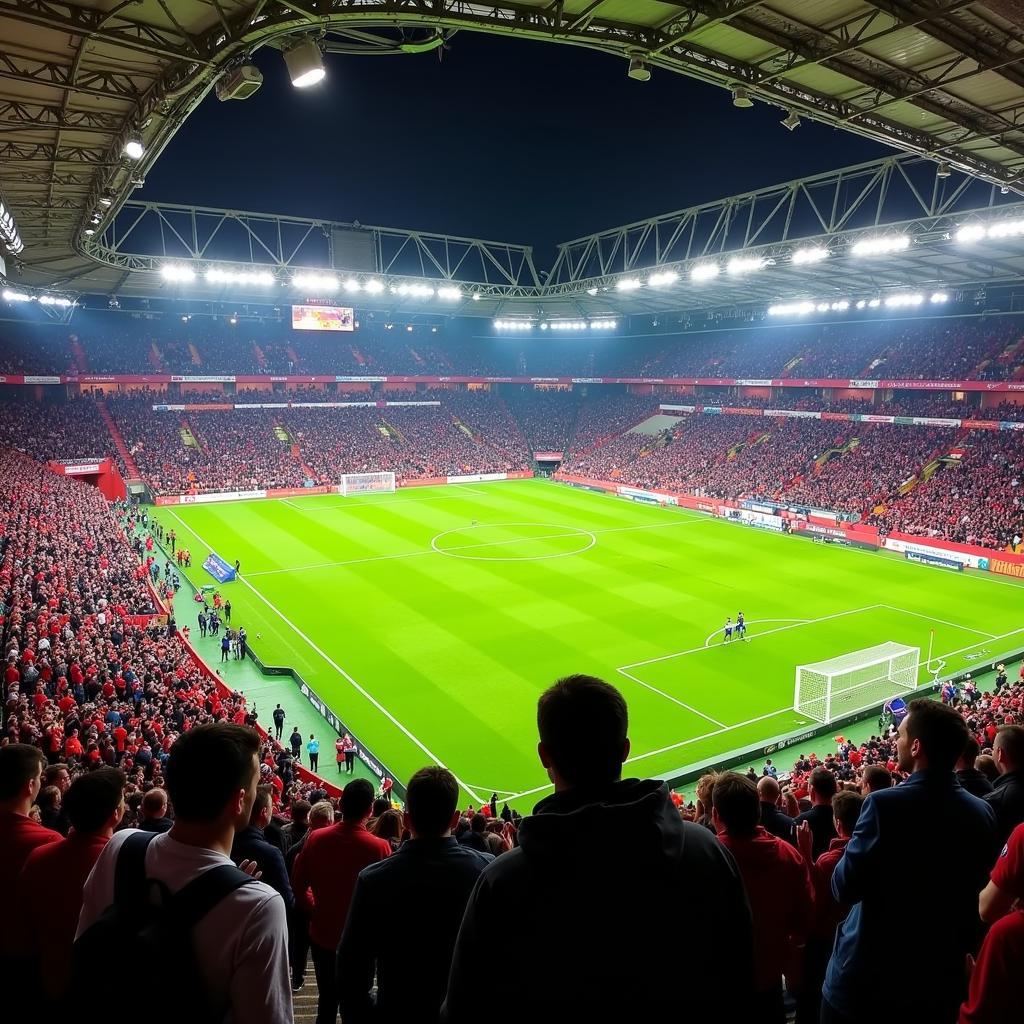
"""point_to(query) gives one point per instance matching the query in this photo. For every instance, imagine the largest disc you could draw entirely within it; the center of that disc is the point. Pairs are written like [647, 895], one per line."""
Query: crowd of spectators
[546, 418]
[66, 431]
[144, 343]
[975, 498]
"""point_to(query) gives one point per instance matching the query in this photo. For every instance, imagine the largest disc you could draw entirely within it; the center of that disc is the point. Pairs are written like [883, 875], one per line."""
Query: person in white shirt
[241, 944]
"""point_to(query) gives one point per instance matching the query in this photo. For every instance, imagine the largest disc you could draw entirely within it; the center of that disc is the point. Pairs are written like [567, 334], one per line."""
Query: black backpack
[152, 927]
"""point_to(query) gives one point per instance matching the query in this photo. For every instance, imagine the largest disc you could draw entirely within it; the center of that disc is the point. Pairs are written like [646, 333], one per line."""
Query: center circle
[513, 542]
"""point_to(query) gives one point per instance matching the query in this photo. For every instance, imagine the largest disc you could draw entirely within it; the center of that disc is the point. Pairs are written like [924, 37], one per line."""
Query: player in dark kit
[728, 631]
[741, 626]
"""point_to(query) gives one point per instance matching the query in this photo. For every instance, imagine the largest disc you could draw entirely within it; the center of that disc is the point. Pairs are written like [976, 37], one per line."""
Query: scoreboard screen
[322, 318]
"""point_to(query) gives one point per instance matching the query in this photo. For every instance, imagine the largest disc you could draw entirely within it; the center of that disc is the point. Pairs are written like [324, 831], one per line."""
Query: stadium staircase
[790, 367]
[118, 438]
[261, 359]
[79, 360]
[155, 358]
[197, 359]
[190, 438]
[294, 357]
[304, 1001]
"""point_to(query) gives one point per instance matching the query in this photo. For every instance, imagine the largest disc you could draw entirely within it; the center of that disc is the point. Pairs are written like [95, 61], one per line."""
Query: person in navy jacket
[912, 871]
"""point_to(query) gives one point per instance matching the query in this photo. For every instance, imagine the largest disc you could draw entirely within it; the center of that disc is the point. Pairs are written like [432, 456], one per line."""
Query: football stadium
[580, 609]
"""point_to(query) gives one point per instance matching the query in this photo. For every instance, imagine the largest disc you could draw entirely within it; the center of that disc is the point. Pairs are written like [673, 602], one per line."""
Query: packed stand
[546, 418]
[65, 431]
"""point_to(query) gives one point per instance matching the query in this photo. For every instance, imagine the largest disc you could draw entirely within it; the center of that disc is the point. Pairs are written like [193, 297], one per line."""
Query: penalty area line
[337, 668]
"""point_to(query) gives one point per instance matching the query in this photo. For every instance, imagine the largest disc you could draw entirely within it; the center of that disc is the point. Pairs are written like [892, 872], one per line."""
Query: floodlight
[705, 271]
[352, 285]
[791, 120]
[880, 245]
[12, 296]
[970, 233]
[745, 264]
[476, 296]
[741, 98]
[90, 232]
[232, 319]
[591, 291]
[305, 63]
[638, 70]
[939, 297]
[373, 286]
[942, 171]
[408, 327]
[133, 148]
[106, 199]
[449, 293]
[628, 284]
[662, 278]
[177, 272]
[810, 254]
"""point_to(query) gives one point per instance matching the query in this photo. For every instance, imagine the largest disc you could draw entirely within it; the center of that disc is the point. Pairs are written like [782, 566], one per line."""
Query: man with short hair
[426, 884]
[778, 887]
[821, 788]
[846, 807]
[929, 822]
[876, 777]
[241, 942]
[968, 775]
[320, 816]
[51, 883]
[297, 827]
[21, 777]
[774, 821]
[278, 716]
[323, 880]
[251, 845]
[1007, 796]
[153, 812]
[473, 837]
[600, 860]
[59, 776]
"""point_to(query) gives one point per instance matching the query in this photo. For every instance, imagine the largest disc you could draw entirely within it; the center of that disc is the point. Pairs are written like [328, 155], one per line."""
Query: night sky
[504, 139]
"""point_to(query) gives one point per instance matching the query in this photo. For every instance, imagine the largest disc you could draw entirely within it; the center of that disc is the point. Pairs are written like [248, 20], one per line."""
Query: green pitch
[432, 637]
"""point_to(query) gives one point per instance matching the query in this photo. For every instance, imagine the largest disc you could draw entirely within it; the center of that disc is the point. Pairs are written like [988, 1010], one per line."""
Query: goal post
[855, 682]
[366, 483]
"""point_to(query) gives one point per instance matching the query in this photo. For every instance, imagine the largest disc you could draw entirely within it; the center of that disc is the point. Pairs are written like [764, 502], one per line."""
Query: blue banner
[219, 569]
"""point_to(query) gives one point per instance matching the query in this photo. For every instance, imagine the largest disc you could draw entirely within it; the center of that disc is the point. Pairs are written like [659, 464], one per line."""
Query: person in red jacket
[778, 886]
[323, 879]
[21, 777]
[828, 913]
[49, 896]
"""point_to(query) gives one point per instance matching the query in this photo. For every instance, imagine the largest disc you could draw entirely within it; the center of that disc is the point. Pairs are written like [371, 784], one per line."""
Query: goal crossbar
[856, 681]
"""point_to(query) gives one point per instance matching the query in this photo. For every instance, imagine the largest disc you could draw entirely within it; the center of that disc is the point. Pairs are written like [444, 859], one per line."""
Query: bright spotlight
[315, 282]
[449, 293]
[591, 291]
[232, 319]
[628, 284]
[373, 286]
[810, 254]
[178, 272]
[352, 285]
[939, 297]
[13, 296]
[663, 278]
[133, 148]
[791, 309]
[305, 63]
[745, 264]
[705, 271]
[880, 245]
[970, 233]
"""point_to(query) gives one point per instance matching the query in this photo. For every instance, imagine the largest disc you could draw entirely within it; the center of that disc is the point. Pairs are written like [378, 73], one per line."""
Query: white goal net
[366, 483]
[854, 682]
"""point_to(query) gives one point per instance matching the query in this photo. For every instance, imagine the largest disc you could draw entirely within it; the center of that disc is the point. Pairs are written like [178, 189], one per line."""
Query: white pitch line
[778, 629]
[935, 618]
[753, 622]
[971, 647]
[675, 700]
[337, 668]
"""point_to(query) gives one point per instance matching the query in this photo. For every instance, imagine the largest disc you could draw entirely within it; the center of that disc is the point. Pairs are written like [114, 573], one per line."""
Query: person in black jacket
[608, 894]
[823, 829]
[250, 844]
[1007, 796]
[406, 911]
[774, 821]
[969, 777]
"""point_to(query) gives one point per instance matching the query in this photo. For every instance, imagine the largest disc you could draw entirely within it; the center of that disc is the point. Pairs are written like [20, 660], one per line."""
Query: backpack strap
[130, 869]
[193, 902]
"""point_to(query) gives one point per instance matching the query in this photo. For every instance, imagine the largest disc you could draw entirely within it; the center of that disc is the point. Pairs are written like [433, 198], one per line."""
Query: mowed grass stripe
[458, 649]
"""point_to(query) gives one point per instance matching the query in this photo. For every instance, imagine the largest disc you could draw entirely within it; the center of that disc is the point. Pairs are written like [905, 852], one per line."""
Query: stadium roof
[77, 81]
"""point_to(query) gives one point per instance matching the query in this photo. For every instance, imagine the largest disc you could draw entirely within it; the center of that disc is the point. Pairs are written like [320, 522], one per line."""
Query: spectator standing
[534, 910]
[997, 984]
[241, 942]
[821, 788]
[320, 816]
[339, 752]
[774, 821]
[251, 845]
[426, 884]
[828, 913]
[293, 832]
[227, 611]
[278, 716]
[295, 741]
[313, 749]
[474, 836]
[323, 880]
[21, 776]
[1007, 796]
[51, 883]
[59, 776]
[225, 645]
[777, 884]
[968, 775]
[929, 821]
[154, 811]
[875, 778]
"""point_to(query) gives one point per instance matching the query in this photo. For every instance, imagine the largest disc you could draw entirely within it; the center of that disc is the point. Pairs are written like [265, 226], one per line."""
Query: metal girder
[179, 232]
[14, 152]
[91, 82]
[27, 115]
[870, 195]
